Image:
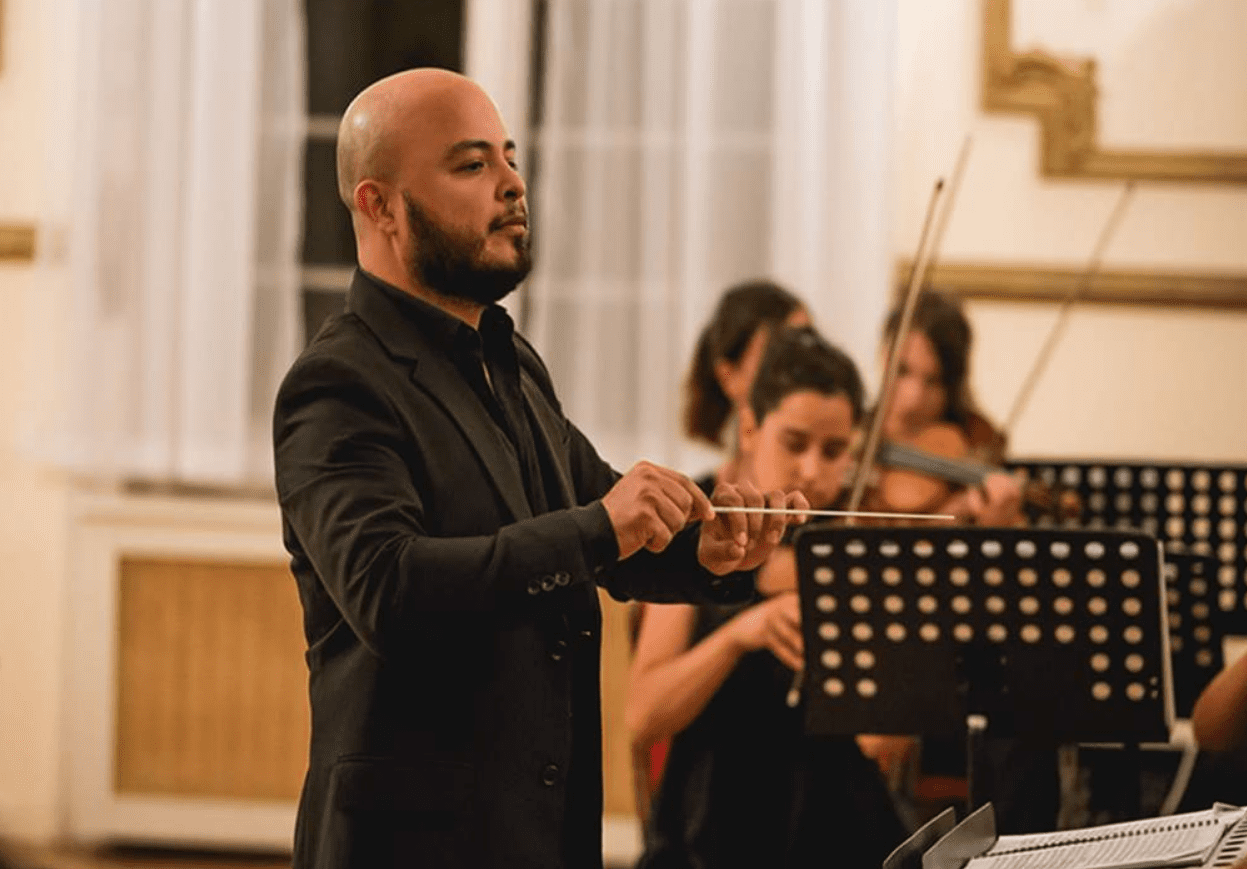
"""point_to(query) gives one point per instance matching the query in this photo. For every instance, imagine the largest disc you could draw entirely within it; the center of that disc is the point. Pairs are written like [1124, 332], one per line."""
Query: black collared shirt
[491, 348]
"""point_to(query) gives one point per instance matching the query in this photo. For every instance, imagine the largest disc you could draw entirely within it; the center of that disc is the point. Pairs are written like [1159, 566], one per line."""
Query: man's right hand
[650, 504]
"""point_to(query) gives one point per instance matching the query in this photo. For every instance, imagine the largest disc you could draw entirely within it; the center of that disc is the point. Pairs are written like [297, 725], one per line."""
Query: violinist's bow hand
[742, 541]
[997, 501]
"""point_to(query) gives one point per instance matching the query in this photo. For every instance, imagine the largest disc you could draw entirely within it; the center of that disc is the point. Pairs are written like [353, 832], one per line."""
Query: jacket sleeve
[671, 576]
[344, 481]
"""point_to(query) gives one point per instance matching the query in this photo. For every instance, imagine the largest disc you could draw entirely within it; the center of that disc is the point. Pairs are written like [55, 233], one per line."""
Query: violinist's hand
[893, 754]
[996, 501]
[778, 573]
[773, 624]
[650, 504]
[742, 541]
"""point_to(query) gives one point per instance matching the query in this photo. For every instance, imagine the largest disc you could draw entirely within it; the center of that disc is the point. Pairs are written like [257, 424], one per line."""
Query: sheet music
[1177, 840]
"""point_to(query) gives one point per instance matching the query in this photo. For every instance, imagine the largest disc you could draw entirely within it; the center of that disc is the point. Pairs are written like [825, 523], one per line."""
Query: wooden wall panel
[617, 784]
[212, 688]
[211, 683]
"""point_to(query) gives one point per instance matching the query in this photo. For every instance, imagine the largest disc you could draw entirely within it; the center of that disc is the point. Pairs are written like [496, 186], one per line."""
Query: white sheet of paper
[1177, 840]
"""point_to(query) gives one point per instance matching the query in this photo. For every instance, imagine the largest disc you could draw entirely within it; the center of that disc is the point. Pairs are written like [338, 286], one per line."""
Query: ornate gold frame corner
[1062, 95]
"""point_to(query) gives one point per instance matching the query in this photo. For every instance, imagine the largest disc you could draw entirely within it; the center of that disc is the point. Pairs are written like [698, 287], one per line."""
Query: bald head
[428, 170]
[382, 118]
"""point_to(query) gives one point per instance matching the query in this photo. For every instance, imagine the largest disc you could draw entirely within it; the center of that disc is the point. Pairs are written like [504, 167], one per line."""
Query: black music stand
[1196, 626]
[908, 854]
[1055, 635]
[1197, 509]
[1195, 637]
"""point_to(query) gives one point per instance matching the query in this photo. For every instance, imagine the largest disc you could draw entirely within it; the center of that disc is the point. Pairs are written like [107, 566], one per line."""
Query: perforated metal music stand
[1055, 635]
[1196, 626]
[1193, 508]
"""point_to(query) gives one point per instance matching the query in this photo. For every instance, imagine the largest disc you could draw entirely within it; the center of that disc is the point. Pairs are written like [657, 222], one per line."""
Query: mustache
[511, 215]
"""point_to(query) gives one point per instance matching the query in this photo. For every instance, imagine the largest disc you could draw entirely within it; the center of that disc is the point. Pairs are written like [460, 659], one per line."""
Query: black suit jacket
[453, 638]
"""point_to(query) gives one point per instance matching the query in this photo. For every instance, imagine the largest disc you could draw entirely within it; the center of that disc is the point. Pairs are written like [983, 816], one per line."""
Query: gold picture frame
[17, 242]
[1063, 97]
[1031, 283]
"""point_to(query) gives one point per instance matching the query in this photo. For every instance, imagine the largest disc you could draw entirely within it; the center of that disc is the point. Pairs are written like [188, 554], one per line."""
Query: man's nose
[513, 186]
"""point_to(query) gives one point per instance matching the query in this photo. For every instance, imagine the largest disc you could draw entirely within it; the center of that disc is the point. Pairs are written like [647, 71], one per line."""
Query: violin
[920, 474]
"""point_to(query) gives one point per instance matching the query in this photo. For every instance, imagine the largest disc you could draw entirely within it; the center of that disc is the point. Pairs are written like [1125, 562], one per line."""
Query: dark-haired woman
[933, 386]
[743, 786]
[726, 358]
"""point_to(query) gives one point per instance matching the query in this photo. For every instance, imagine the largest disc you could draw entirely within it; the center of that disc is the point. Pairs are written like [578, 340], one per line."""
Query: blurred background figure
[725, 362]
[933, 409]
[742, 785]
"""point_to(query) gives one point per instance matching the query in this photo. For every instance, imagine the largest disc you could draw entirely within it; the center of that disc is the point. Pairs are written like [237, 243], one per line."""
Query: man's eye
[473, 166]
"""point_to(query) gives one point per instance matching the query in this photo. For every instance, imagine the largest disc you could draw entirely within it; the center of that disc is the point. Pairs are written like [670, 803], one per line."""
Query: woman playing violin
[742, 786]
[932, 408]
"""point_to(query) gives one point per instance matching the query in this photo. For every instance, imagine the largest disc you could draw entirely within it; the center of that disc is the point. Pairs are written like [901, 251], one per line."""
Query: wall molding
[100, 802]
[17, 242]
[1034, 283]
[1062, 95]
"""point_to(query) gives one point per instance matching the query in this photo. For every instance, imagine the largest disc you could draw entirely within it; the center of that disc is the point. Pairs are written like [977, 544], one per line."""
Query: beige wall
[32, 499]
[1133, 382]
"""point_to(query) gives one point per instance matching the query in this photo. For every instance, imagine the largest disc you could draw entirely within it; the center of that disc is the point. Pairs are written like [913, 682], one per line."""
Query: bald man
[448, 527]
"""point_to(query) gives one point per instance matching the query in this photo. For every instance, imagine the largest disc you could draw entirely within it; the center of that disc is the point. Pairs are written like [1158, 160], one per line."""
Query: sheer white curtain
[686, 145]
[183, 238]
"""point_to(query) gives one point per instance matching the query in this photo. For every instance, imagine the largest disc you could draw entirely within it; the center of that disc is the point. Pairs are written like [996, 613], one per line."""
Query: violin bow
[927, 244]
[1075, 293]
[861, 474]
[954, 186]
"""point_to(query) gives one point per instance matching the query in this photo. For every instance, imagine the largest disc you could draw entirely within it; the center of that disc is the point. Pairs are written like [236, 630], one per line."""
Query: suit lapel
[443, 382]
[547, 437]
[434, 373]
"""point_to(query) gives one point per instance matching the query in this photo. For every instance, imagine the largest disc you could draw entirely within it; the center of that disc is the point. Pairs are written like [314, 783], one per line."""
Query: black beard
[450, 263]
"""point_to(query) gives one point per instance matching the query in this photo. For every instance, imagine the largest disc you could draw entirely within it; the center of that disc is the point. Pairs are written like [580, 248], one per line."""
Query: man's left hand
[742, 541]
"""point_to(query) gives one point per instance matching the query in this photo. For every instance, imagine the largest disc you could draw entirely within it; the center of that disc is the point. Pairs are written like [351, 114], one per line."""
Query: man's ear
[377, 205]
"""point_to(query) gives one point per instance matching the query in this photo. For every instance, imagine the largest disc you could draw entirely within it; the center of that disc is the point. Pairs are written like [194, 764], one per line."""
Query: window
[351, 43]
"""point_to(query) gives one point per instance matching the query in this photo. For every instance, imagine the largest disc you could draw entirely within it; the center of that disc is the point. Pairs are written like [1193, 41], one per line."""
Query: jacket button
[562, 578]
[534, 586]
[560, 648]
[550, 775]
[547, 582]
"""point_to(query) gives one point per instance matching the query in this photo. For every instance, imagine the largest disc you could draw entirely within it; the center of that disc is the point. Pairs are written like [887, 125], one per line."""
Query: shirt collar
[444, 330]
